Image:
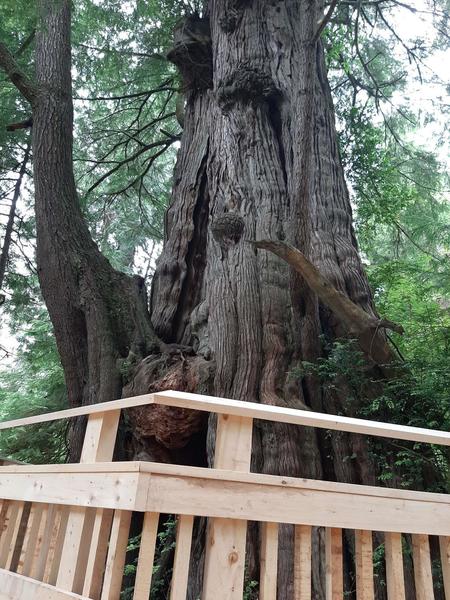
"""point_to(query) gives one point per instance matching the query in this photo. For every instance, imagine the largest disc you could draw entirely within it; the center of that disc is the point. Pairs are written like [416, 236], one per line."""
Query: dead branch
[358, 322]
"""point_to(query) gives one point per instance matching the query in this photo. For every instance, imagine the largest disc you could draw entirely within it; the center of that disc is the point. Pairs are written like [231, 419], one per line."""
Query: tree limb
[358, 322]
[325, 20]
[26, 86]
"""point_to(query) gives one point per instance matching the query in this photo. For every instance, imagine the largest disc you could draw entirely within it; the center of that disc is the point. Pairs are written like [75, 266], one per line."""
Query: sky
[430, 97]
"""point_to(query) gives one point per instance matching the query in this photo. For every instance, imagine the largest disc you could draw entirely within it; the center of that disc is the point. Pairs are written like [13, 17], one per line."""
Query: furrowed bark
[259, 160]
[99, 315]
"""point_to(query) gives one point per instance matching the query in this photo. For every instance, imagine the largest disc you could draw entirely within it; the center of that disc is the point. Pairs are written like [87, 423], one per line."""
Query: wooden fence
[64, 529]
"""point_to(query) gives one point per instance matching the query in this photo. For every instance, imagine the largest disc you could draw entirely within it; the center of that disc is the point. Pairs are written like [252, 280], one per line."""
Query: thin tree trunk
[12, 215]
[99, 315]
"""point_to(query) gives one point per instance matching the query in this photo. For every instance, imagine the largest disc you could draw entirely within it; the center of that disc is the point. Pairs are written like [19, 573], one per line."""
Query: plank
[115, 561]
[182, 558]
[300, 417]
[146, 557]
[14, 538]
[100, 437]
[207, 497]
[30, 539]
[269, 561]
[135, 467]
[20, 537]
[69, 557]
[444, 544]
[395, 577]
[12, 516]
[38, 548]
[364, 565]
[19, 587]
[97, 553]
[422, 567]
[55, 526]
[103, 490]
[302, 562]
[334, 573]
[98, 446]
[80, 411]
[3, 513]
[59, 543]
[226, 538]
[247, 410]
[84, 550]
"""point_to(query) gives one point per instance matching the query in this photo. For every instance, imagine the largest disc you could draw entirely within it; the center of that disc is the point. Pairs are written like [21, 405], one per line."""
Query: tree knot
[232, 15]
[245, 84]
[192, 52]
[227, 229]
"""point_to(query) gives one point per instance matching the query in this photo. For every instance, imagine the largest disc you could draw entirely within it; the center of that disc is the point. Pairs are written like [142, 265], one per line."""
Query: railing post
[226, 538]
[98, 446]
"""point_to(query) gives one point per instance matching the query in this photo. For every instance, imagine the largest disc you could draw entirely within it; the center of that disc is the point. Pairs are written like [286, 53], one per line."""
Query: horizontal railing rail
[64, 529]
[251, 410]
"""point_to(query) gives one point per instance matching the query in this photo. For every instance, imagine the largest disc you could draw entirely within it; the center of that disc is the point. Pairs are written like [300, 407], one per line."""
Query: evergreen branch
[27, 41]
[165, 144]
[26, 86]
[323, 23]
[164, 87]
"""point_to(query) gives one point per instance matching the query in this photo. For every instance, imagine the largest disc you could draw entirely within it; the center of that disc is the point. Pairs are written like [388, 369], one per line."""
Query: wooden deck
[64, 529]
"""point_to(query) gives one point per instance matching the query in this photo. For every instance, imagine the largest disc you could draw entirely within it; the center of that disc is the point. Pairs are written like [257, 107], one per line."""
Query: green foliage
[34, 386]
[250, 590]
[415, 395]
[165, 544]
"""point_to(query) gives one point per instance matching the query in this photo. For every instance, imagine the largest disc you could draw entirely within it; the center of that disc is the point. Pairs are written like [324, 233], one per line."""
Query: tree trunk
[259, 160]
[99, 315]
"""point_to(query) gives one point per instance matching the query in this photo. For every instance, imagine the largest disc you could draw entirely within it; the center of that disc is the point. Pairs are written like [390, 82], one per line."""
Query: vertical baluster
[422, 567]
[45, 545]
[394, 566]
[72, 542]
[3, 513]
[334, 564]
[444, 544]
[56, 523]
[14, 564]
[180, 573]
[302, 562]
[117, 550]
[144, 571]
[12, 516]
[59, 543]
[31, 536]
[269, 561]
[15, 528]
[84, 549]
[97, 553]
[364, 565]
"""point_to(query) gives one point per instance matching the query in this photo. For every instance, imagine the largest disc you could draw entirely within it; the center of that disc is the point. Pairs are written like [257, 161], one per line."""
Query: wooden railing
[64, 529]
